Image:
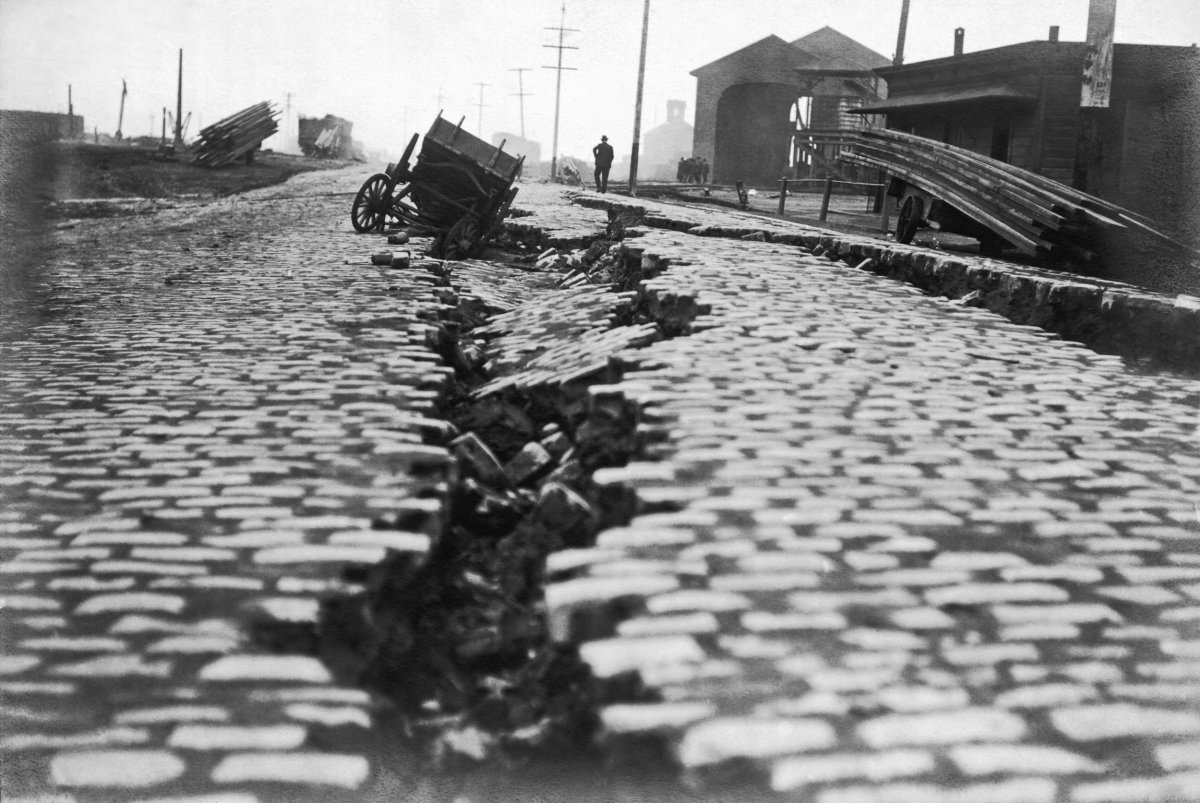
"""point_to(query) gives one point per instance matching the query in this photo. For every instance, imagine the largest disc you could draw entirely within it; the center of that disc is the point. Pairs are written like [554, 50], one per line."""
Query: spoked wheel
[912, 212]
[372, 203]
[462, 239]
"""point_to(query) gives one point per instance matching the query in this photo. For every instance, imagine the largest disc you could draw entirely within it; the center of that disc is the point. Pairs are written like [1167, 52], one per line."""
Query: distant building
[22, 127]
[326, 137]
[1021, 104]
[666, 144]
[515, 144]
[766, 110]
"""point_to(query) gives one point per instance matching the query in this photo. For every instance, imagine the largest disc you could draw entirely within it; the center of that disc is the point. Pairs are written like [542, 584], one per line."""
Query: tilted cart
[460, 188]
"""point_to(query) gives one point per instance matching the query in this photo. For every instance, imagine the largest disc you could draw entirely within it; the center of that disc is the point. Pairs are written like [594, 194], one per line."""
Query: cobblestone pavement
[195, 437]
[889, 547]
[886, 547]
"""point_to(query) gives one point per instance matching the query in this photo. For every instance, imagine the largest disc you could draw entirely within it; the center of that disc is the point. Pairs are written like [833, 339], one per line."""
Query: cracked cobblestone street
[884, 546]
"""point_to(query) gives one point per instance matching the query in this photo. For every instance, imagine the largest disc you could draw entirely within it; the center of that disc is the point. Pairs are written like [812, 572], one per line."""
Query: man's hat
[604, 139]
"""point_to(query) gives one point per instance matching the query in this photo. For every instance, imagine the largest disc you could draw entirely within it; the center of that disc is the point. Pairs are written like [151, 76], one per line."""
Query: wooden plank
[1033, 206]
[965, 204]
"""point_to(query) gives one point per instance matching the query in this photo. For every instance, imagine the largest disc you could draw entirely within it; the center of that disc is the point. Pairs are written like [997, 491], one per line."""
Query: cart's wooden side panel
[474, 149]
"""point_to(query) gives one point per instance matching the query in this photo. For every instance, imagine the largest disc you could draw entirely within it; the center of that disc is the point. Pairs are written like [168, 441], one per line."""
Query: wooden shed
[1021, 104]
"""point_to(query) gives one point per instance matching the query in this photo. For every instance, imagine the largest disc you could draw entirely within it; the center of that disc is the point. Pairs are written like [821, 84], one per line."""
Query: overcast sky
[383, 63]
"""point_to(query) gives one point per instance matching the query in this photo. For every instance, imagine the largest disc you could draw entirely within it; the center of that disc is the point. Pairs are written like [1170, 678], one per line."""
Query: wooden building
[1021, 104]
[757, 109]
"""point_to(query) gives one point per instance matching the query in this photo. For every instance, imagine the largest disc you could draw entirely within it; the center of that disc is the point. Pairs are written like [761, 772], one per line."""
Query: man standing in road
[604, 159]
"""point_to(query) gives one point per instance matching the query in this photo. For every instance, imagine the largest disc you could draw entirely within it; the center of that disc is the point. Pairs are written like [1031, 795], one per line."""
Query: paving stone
[717, 740]
[310, 768]
[795, 773]
[992, 593]
[173, 713]
[109, 737]
[628, 718]
[124, 769]
[1118, 720]
[610, 657]
[953, 727]
[1168, 789]
[296, 668]
[1021, 759]
[1019, 790]
[329, 716]
[237, 737]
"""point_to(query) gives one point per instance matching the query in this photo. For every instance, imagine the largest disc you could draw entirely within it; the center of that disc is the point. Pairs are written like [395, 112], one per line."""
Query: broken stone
[382, 258]
[399, 238]
[477, 460]
[556, 443]
[528, 462]
[566, 513]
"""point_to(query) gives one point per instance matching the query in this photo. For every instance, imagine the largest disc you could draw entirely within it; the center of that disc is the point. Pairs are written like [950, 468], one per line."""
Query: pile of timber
[1038, 216]
[228, 140]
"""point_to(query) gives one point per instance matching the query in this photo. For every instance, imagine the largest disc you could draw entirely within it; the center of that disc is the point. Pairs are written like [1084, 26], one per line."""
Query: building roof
[825, 49]
[769, 47]
[830, 49]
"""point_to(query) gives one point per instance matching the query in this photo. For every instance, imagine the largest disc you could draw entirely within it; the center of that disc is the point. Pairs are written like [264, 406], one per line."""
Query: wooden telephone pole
[898, 59]
[521, 94]
[179, 105]
[121, 117]
[637, 106]
[481, 105]
[560, 47]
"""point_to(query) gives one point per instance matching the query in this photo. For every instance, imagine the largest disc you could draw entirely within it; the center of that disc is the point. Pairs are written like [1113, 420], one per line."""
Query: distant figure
[703, 171]
[604, 159]
[680, 171]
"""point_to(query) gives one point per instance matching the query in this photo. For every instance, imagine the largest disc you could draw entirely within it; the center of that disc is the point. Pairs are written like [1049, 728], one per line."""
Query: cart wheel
[912, 211]
[372, 203]
[462, 240]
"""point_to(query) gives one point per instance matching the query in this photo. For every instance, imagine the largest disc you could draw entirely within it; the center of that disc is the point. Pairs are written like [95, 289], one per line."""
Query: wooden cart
[460, 188]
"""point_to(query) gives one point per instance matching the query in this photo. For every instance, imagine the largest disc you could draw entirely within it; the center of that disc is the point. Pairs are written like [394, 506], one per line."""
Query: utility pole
[291, 137]
[637, 106]
[121, 117]
[521, 93]
[481, 105]
[164, 127]
[560, 47]
[898, 59]
[179, 105]
[71, 115]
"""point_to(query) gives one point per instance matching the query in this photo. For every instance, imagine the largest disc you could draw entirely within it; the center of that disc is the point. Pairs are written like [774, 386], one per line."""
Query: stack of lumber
[228, 140]
[1038, 216]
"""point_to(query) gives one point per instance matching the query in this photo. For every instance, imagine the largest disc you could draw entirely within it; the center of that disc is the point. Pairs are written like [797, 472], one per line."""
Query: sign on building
[1098, 61]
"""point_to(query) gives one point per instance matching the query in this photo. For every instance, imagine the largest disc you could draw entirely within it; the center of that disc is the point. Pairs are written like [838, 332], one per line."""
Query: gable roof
[831, 49]
[769, 48]
[824, 49]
